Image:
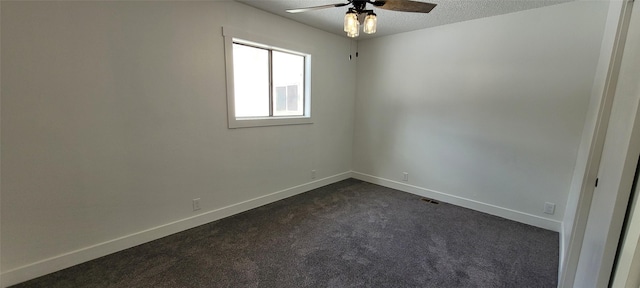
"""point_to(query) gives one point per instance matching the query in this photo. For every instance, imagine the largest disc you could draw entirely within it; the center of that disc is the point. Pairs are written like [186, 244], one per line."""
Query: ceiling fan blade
[300, 10]
[404, 5]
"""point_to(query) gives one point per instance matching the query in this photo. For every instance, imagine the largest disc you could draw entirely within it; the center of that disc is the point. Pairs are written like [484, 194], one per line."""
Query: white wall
[114, 119]
[485, 113]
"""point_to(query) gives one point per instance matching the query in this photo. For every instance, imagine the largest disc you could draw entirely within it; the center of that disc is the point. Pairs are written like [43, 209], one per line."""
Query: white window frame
[231, 36]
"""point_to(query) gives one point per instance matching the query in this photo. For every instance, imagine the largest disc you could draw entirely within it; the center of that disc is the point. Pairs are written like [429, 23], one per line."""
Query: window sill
[268, 121]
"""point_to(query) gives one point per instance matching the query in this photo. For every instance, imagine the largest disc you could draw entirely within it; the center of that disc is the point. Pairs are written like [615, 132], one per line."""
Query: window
[266, 85]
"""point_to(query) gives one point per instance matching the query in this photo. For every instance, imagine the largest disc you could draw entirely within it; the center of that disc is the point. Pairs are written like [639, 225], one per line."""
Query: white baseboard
[46, 266]
[510, 214]
[50, 265]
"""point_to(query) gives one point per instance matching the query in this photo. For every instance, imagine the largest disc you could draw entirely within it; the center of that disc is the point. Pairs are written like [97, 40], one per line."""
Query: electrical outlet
[313, 174]
[196, 204]
[405, 176]
[549, 208]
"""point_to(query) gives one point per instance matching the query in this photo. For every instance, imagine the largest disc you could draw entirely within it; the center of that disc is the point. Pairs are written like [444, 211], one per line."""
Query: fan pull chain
[351, 49]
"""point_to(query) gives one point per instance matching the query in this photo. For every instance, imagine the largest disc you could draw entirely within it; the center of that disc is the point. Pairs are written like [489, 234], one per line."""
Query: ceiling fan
[358, 12]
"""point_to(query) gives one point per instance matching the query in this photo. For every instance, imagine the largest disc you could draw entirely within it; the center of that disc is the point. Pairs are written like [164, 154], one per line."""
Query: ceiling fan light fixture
[350, 21]
[355, 30]
[370, 23]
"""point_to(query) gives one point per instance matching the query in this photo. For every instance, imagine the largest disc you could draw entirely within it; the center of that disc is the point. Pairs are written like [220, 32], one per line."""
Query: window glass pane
[288, 74]
[292, 98]
[281, 99]
[251, 81]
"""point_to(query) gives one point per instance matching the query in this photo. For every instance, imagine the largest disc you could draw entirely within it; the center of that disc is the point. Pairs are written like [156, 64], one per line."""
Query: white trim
[562, 243]
[266, 121]
[230, 35]
[618, 24]
[56, 263]
[506, 213]
[266, 41]
[626, 271]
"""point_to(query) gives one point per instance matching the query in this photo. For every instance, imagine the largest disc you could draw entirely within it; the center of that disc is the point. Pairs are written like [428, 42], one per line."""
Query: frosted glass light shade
[355, 30]
[350, 21]
[370, 23]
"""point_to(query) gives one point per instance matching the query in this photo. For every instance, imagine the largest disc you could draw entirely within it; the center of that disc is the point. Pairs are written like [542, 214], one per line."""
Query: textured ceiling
[392, 22]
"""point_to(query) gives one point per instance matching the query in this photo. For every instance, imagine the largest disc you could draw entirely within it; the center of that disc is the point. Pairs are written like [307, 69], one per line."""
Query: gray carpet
[348, 234]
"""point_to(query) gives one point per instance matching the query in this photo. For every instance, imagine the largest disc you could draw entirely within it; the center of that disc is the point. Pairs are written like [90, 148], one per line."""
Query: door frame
[622, 11]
